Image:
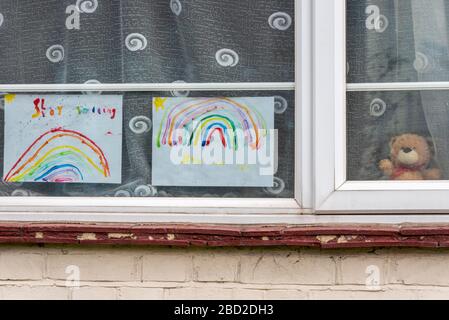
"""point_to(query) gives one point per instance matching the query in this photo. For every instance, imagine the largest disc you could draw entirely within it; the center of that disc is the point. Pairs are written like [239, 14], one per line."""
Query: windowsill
[205, 235]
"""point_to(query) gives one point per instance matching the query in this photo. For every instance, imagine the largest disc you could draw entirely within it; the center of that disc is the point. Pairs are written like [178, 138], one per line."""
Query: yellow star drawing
[10, 98]
[159, 103]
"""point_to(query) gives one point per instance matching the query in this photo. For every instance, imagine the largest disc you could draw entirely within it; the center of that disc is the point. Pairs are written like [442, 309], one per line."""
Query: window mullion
[146, 87]
[397, 86]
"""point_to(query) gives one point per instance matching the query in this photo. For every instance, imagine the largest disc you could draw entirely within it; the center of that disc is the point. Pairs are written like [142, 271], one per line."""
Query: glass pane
[118, 41]
[398, 135]
[397, 41]
[58, 144]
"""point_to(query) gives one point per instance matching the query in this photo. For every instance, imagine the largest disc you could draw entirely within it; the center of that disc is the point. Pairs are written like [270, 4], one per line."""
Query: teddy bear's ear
[392, 141]
[431, 144]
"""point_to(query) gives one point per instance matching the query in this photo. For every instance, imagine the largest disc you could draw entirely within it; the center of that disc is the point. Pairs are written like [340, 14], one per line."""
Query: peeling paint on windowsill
[205, 235]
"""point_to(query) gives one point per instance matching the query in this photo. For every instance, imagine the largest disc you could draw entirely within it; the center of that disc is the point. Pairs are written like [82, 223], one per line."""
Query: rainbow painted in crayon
[45, 160]
[197, 120]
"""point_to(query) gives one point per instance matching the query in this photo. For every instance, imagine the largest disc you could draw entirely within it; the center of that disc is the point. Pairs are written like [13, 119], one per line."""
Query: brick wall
[51, 271]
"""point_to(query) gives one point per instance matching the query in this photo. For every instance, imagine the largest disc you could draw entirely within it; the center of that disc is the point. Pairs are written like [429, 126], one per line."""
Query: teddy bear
[410, 156]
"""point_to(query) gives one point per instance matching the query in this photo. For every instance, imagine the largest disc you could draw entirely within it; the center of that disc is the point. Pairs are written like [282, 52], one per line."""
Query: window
[335, 84]
[89, 88]
[384, 67]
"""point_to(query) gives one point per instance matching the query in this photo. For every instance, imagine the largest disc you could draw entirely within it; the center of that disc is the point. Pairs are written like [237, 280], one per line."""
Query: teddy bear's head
[410, 151]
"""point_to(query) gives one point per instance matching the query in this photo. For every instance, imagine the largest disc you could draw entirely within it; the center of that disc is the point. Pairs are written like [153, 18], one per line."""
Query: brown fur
[410, 155]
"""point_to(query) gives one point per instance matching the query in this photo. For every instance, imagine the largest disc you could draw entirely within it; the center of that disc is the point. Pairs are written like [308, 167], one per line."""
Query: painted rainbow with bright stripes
[59, 155]
[197, 120]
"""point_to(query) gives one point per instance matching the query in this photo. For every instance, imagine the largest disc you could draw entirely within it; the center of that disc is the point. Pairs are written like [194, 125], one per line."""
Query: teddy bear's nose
[407, 150]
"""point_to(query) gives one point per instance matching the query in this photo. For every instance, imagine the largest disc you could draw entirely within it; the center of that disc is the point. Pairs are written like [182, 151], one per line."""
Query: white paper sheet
[225, 142]
[63, 138]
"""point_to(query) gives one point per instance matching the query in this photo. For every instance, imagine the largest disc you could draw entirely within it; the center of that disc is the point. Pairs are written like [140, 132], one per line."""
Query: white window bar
[398, 86]
[145, 87]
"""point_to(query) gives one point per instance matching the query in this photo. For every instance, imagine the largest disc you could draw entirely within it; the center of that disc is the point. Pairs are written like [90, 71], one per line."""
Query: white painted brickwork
[30, 272]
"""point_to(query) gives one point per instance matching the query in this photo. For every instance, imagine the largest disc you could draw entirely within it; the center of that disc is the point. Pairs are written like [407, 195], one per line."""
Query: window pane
[397, 135]
[409, 129]
[117, 41]
[397, 41]
[72, 142]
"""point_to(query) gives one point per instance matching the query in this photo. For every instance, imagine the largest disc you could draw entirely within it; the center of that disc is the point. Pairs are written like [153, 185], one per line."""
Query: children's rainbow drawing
[63, 138]
[194, 121]
[186, 130]
[45, 160]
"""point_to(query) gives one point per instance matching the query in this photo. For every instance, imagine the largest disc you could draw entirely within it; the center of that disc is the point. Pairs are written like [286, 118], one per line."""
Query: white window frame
[333, 193]
[205, 210]
[322, 194]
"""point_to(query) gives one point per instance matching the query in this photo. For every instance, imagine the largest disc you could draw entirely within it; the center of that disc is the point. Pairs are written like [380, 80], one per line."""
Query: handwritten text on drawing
[42, 110]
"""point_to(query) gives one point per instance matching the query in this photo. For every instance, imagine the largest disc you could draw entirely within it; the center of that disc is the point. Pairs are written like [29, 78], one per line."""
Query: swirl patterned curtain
[152, 41]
